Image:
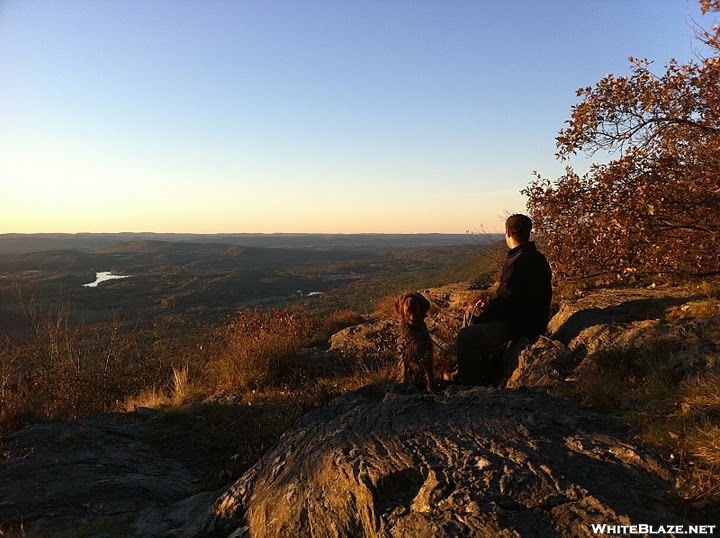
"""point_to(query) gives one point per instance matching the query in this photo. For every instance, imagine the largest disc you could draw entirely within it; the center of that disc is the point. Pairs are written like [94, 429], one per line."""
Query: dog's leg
[428, 381]
[402, 370]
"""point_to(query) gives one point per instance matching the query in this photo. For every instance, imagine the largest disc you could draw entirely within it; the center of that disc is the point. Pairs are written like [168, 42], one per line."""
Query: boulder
[610, 308]
[453, 299]
[637, 322]
[540, 363]
[369, 339]
[388, 461]
[85, 476]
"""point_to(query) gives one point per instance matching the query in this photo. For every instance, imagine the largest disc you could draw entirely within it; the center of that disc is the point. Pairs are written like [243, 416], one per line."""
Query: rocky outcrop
[541, 363]
[611, 308]
[389, 461]
[640, 324]
[365, 340]
[85, 478]
[377, 336]
[636, 324]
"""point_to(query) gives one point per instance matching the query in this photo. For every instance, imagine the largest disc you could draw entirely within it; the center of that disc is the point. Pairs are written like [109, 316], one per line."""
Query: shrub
[257, 345]
[385, 307]
[67, 370]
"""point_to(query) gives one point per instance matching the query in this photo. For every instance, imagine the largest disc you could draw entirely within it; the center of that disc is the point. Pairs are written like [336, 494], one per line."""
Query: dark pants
[477, 351]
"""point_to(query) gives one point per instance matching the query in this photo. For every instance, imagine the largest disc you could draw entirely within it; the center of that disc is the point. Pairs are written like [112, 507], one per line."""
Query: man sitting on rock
[521, 307]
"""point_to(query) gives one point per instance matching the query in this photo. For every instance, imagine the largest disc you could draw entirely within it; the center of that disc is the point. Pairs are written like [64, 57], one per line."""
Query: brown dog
[414, 345]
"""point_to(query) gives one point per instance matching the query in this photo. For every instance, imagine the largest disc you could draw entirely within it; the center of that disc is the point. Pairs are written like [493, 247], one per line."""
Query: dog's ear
[423, 303]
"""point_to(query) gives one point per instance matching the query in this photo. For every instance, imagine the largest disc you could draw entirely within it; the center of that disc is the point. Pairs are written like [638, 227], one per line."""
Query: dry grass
[341, 319]
[255, 347]
[704, 444]
[702, 395]
[62, 369]
[681, 418]
[181, 387]
[369, 371]
[700, 408]
[709, 288]
[150, 397]
[385, 307]
[626, 378]
[180, 392]
[15, 530]
[690, 431]
[700, 309]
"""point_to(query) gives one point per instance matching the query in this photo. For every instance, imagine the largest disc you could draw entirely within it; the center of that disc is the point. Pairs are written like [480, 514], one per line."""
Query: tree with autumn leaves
[654, 208]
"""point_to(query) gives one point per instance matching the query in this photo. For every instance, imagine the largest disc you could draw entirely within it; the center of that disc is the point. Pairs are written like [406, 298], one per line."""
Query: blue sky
[304, 116]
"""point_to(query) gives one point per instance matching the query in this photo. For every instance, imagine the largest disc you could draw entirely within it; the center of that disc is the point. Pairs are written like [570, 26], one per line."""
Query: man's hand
[472, 315]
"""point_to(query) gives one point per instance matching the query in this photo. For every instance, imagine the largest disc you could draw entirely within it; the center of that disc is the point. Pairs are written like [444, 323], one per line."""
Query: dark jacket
[524, 294]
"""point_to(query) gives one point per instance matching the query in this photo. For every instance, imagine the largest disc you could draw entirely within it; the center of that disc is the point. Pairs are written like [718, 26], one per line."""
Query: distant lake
[310, 293]
[102, 277]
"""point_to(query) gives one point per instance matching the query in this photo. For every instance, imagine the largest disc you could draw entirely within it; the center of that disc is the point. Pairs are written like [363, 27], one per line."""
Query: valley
[206, 280]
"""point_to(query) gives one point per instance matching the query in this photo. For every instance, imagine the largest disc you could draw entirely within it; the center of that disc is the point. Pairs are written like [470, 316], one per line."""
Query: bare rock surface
[389, 461]
[541, 363]
[89, 476]
[364, 340]
[371, 338]
[454, 299]
[611, 308]
[639, 320]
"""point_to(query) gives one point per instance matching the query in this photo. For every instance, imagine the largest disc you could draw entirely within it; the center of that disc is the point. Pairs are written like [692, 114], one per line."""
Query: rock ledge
[389, 461]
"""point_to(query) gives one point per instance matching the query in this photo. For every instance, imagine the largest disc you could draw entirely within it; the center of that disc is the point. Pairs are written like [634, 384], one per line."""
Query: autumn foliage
[654, 207]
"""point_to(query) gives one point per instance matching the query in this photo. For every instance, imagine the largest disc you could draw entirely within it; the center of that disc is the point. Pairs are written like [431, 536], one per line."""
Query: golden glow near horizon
[116, 206]
[346, 117]
[87, 192]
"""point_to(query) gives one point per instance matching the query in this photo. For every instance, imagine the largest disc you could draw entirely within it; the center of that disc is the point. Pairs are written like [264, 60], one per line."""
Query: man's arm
[516, 282]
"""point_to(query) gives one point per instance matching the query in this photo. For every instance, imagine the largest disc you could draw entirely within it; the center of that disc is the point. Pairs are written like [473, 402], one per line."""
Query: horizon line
[469, 233]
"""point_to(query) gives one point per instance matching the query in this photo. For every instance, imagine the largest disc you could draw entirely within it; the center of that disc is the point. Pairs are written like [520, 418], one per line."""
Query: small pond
[102, 277]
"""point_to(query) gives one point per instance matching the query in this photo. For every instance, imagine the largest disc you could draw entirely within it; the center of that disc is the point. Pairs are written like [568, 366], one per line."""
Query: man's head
[517, 230]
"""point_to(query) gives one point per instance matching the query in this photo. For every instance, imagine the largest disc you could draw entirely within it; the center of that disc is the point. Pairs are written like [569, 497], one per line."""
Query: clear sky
[396, 116]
